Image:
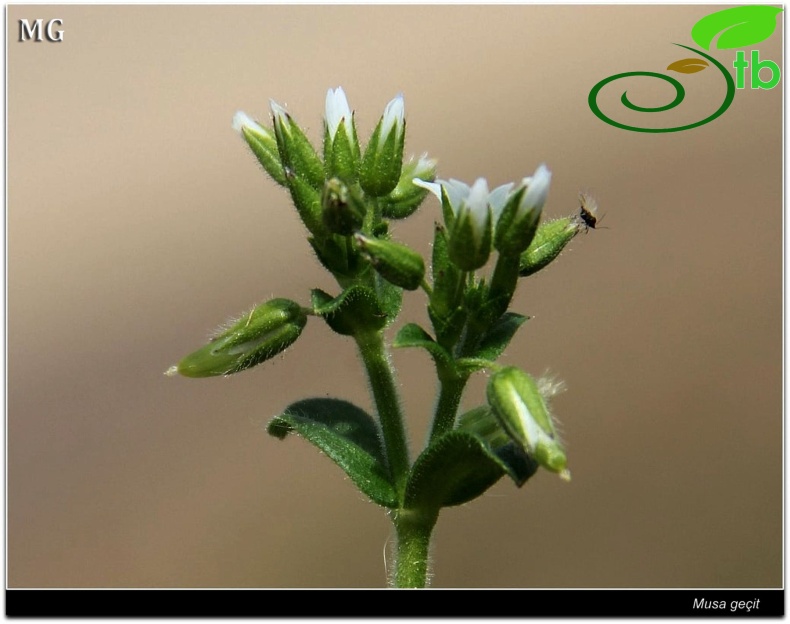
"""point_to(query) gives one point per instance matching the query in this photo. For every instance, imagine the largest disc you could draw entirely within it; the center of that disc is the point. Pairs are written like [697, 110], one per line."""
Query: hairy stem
[413, 529]
[450, 392]
[382, 383]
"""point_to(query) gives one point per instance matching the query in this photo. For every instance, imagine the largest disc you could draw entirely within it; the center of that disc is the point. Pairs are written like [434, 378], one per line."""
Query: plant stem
[451, 389]
[414, 537]
[382, 383]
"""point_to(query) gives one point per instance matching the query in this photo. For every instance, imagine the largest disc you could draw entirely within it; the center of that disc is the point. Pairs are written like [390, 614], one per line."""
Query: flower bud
[296, 152]
[259, 335]
[383, 160]
[406, 197]
[523, 414]
[341, 147]
[396, 263]
[470, 234]
[550, 239]
[263, 145]
[343, 209]
[518, 222]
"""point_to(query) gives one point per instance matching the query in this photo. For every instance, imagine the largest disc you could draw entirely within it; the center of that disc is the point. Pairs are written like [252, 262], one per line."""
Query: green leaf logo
[738, 27]
[688, 66]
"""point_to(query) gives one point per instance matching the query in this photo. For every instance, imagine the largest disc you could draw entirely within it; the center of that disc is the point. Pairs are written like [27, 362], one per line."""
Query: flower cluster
[348, 198]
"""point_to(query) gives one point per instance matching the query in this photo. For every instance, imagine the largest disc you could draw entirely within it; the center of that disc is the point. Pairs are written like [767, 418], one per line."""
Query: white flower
[458, 192]
[337, 112]
[393, 117]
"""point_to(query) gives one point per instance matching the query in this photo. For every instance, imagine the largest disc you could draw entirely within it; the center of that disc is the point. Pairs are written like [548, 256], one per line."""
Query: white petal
[433, 187]
[243, 120]
[337, 110]
[498, 198]
[457, 192]
[537, 190]
[393, 116]
[478, 202]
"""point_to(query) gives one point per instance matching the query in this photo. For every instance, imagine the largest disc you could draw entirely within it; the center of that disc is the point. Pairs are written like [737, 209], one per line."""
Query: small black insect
[588, 211]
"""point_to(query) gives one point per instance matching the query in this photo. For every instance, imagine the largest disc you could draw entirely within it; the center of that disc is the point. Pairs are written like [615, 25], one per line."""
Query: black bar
[409, 603]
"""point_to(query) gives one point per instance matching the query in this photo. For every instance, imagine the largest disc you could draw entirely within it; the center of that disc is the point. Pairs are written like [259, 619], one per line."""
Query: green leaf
[499, 335]
[354, 310]
[412, 335]
[348, 435]
[739, 27]
[454, 469]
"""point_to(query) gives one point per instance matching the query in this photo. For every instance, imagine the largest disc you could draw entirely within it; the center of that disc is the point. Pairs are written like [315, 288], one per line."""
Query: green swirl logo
[735, 27]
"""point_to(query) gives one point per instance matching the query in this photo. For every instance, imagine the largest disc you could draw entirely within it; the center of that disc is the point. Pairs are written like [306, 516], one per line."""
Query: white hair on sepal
[549, 385]
[230, 322]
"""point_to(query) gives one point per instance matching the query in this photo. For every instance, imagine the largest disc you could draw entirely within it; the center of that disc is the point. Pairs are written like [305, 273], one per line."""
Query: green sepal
[550, 239]
[412, 335]
[469, 249]
[265, 149]
[382, 163]
[341, 156]
[297, 153]
[353, 311]
[445, 296]
[447, 209]
[308, 203]
[514, 232]
[395, 262]
[348, 435]
[456, 468]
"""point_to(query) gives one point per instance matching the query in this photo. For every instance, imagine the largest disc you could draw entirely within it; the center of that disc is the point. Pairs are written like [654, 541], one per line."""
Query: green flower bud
[406, 197]
[297, 154]
[519, 219]
[341, 147]
[396, 263]
[550, 239]
[263, 145]
[343, 209]
[383, 160]
[256, 337]
[517, 403]
[308, 203]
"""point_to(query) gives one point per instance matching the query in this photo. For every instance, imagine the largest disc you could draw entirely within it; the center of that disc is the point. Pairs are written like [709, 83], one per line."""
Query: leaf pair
[456, 468]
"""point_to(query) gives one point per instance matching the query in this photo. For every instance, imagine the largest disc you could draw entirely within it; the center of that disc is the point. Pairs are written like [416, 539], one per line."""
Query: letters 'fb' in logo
[736, 27]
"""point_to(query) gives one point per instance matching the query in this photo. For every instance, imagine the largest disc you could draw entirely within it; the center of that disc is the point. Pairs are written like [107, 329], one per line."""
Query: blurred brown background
[138, 220]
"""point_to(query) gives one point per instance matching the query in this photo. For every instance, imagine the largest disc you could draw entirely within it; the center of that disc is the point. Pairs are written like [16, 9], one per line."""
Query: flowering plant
[347, 200]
